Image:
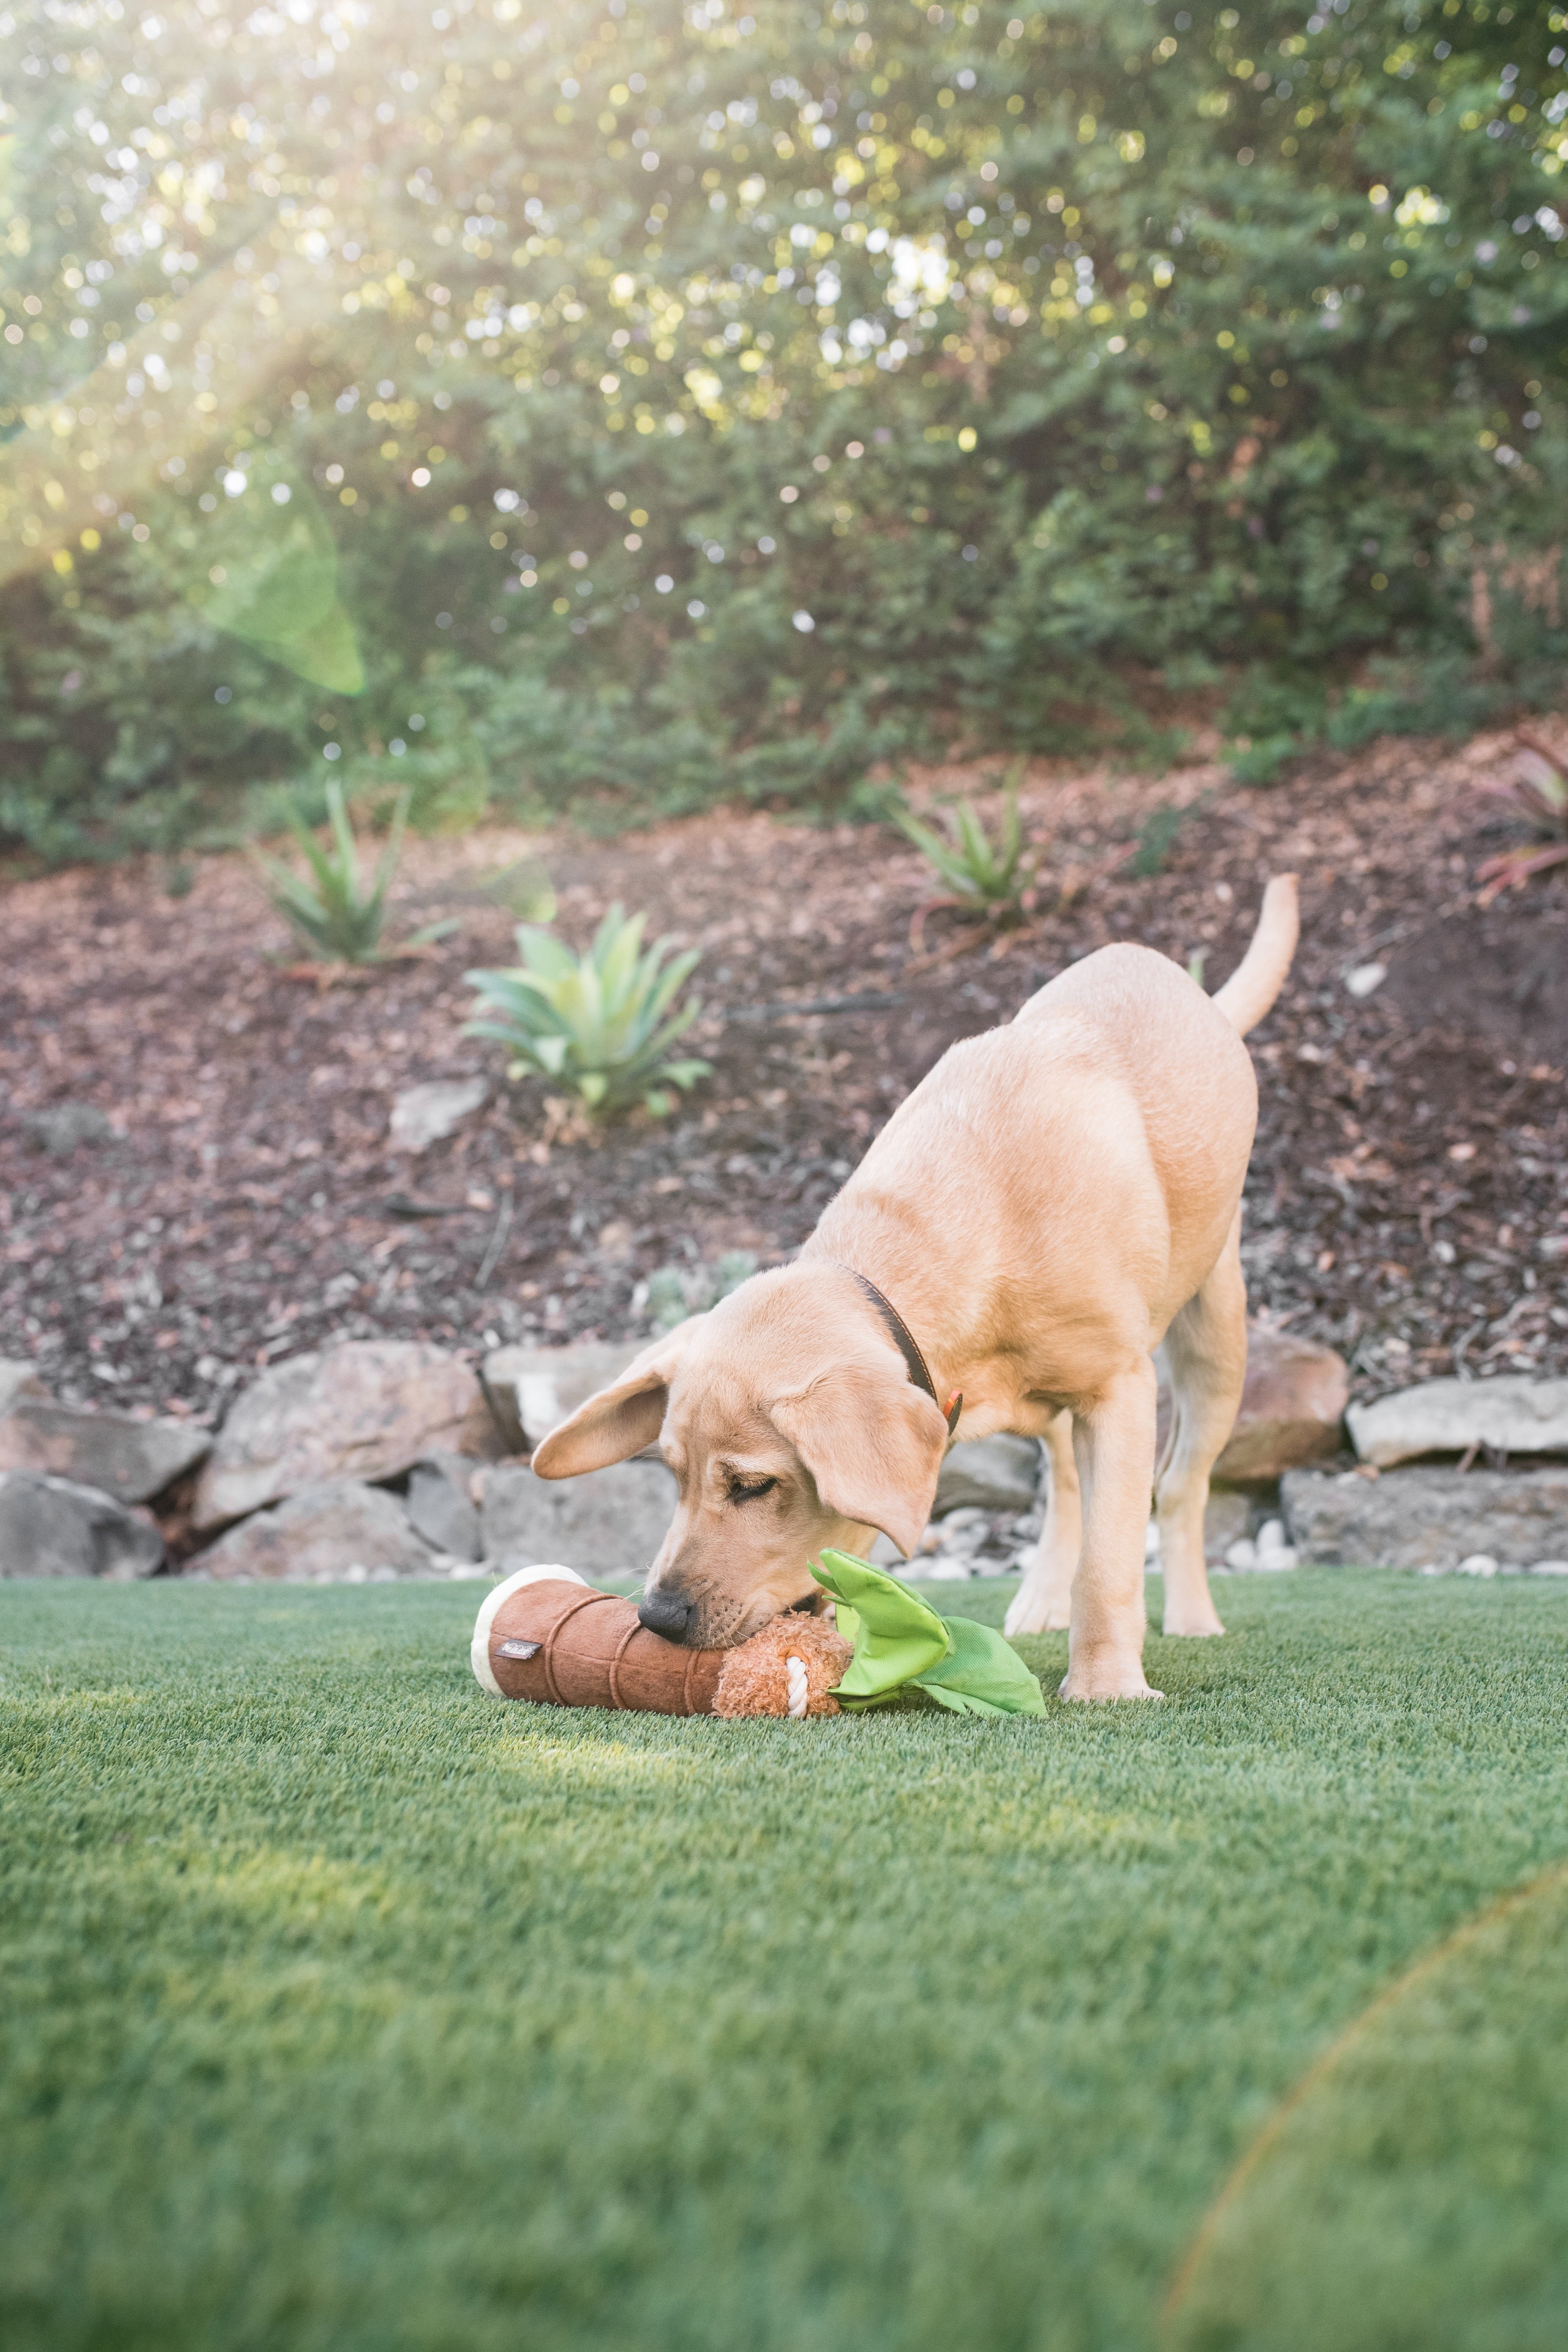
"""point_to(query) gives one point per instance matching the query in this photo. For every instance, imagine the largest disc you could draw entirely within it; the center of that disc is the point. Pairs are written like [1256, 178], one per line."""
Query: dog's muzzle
[666, 1613]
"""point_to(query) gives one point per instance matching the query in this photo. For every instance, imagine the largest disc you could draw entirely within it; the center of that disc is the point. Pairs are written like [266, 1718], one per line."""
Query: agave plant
[600, 1023]
[330, 909]
[1537, 791]
[982, 876]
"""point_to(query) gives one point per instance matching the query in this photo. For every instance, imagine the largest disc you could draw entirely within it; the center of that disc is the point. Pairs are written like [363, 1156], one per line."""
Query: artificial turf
[1411, 2191]
[343, 2007]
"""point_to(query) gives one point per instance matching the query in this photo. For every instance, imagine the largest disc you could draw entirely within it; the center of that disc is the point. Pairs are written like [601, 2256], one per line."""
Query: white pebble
[1480, 1563]
[1549, 1568]
[1243, 1553]
[1365, 978]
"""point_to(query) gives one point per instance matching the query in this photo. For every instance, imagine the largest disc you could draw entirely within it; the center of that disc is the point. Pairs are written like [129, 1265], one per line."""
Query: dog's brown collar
[908, 1348]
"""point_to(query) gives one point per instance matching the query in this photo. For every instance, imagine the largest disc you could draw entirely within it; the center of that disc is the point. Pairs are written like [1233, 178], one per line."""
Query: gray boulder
[441, 1506]
[132, 1460]
[63, 1125]
[1227, 1520]
[605, 1523]
[989, 1473]
[1426, 1518]
[339, 1531]
[368, 1409]
[53, 1527]
[533, 1390]
[18, 1379]
[1513, 1412]
[424, 1115]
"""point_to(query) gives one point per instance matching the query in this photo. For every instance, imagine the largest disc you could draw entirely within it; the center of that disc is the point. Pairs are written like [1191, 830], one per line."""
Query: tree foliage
[634, 403]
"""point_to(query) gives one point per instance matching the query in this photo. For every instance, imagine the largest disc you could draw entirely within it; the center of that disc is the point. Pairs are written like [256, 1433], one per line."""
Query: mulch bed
[230, 1197]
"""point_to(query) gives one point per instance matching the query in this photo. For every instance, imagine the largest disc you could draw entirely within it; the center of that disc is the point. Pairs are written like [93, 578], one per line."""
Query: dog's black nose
[666, 1613]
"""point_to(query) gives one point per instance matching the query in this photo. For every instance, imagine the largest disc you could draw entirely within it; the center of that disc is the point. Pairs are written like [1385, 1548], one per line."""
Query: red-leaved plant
[1536, 791]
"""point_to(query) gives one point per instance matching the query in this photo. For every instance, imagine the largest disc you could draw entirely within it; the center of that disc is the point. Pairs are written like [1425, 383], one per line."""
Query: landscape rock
[441, 1505]
[368, 1409]
[1514, 1414]
[1267, 1550]
[1426, 1518]
[63, 1125]
[605, 1523]
[1292, 1407]
[1227, 1520]
[339, 1531]
[1291, 1411]
[132, 1460]
[18, 1379]
[989, 1473]
[533, 1390]
[53, 1527]
[423, 1115]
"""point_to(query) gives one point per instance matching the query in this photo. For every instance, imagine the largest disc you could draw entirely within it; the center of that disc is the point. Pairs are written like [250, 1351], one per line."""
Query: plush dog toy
[544, 1634]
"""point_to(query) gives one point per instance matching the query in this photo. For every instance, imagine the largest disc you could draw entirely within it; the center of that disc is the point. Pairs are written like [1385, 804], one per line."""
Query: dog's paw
[1101, 1683]
[1037, 1613]
[1194, 1629]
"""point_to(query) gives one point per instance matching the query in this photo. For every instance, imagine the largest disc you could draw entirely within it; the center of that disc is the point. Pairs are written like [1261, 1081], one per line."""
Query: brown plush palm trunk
[561, 1644]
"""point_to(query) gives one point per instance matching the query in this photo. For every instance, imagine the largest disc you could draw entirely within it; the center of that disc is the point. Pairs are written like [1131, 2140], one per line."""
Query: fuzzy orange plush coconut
[787, 1668]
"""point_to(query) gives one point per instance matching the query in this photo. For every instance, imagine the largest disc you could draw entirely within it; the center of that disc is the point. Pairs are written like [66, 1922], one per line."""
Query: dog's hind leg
[1205, 1348]
[1042, 1602]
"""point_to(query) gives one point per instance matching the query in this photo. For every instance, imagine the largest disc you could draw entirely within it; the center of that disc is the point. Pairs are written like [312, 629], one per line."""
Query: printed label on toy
[518, 1650]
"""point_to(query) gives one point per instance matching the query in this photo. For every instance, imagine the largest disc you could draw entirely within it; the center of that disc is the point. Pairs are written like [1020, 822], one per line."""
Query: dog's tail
[1260, 975]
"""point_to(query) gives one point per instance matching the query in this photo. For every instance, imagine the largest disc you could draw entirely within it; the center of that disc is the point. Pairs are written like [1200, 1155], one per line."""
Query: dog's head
[792, 1425]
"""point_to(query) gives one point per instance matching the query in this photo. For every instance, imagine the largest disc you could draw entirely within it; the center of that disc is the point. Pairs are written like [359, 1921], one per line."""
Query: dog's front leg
[1114, 1442]
[1042, 1602]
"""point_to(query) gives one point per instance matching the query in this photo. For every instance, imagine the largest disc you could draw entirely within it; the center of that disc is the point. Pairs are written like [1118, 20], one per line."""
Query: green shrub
[601, 1024]
[1123, 365]
[675, 1292]
[331, 910]
[1536, 792]
[1156, 839]
[984, 876]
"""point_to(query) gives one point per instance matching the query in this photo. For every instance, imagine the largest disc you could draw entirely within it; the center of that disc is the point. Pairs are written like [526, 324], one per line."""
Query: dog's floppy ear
[622, 1419]
[872, 1442]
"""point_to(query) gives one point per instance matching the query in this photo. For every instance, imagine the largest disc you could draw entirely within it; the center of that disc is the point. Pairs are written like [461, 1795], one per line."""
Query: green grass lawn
[345, 2009]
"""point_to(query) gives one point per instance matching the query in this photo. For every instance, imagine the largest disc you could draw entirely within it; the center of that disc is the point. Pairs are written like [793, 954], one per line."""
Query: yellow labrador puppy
[1057, 1197]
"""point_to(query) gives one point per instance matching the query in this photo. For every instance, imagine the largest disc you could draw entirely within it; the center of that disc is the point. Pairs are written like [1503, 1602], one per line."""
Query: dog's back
[1099, 1139]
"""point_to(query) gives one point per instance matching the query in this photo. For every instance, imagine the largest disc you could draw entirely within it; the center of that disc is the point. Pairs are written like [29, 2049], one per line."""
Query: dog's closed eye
[744, 1490]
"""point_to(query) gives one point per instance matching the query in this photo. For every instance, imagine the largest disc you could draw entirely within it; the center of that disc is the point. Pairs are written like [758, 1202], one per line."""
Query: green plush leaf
[901, 1643]
[897, 1636]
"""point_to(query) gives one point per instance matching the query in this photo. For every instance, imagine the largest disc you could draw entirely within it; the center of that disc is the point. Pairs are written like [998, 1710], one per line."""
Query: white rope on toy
[795, 1669]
